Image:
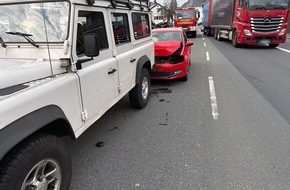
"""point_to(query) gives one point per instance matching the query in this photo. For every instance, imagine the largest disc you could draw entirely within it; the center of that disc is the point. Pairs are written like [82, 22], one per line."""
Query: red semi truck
[247, 21]
[187, 19]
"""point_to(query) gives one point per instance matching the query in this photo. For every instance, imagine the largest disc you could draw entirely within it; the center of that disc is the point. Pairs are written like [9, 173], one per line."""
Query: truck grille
[266, 24]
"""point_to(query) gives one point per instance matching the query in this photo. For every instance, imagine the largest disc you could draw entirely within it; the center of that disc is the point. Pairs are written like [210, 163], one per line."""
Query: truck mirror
[198, 14]
[91, 45]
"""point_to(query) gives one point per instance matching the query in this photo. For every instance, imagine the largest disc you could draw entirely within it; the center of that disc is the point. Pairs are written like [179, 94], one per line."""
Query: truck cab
[260, 22]
[187, 19]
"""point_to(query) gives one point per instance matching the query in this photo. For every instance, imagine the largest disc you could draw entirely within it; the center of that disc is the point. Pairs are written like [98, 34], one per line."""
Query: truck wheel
[39, 162]
[218, 35]
[273, 45]
[215, 34]
[235, 39]
[139, 95]
[193, 34]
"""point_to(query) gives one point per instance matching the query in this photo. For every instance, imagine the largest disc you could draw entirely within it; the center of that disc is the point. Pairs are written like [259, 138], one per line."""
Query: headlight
[247, 33]
[283, 31]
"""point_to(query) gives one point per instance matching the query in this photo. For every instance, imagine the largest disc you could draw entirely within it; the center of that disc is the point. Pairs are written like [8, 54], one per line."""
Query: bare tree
[170, 6]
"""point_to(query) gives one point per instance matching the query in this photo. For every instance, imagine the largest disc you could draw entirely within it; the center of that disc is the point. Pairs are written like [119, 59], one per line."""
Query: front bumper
[262, 38]
[167, 71]
[190, 29]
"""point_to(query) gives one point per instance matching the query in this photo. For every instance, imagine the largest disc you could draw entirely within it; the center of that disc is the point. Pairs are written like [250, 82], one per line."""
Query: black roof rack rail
[129, 4]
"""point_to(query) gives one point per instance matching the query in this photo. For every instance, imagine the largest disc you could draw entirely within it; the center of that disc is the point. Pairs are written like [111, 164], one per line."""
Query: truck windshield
[35, 19]
[190, 14]
[268, 4]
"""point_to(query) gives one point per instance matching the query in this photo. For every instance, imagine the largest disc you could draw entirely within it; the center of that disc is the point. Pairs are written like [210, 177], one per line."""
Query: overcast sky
[179, 2]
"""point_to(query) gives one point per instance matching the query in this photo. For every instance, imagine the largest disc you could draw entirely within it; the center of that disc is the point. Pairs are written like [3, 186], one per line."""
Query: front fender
[144, 61]
[20, 129]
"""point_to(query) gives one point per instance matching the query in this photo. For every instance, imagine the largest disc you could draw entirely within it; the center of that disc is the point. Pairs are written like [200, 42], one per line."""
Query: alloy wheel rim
[45, 175]
[145, 88]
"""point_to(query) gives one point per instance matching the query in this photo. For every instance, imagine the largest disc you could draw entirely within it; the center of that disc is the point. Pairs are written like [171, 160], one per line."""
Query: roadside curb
[288, 35]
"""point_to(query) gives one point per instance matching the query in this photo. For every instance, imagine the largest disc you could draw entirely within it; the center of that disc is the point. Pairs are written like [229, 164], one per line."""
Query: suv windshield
[268, 4]
[32, 19]
[185, 14]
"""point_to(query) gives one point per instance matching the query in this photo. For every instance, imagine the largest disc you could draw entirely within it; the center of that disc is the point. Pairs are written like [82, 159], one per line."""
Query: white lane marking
[202, 38]
[286, 50]
[204, 44]
[207, 56]
[213, 99]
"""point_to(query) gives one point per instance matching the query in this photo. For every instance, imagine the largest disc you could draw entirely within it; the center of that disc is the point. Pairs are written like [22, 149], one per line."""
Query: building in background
[159, 14]
[195, 3]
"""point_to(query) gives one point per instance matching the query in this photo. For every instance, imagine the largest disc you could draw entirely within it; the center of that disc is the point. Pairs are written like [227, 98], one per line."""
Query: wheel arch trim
[20, 129]
[140, 64]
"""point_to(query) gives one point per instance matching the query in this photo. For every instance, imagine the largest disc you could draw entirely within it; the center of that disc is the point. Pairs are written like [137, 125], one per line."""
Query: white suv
[63, 64]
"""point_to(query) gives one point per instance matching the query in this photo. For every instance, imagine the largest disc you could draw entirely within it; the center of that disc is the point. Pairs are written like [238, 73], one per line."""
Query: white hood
[14, 72]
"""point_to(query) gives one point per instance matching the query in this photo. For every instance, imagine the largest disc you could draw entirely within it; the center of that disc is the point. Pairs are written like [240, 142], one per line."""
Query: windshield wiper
[258, 7]
[2, 42]
[25, 36]
[277, 6]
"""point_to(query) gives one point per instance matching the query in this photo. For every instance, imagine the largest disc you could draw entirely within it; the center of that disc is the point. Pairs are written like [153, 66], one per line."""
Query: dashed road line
[213, 98]
[204, 44]
[202, 38]
[207, 56]
[286, 50]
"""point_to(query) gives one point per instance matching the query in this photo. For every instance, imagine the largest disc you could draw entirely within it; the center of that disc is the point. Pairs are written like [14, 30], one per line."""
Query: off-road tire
[38, 150]
[139, 95]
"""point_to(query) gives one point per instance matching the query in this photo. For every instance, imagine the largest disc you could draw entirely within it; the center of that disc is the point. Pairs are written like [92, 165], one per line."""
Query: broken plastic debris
[100, 144]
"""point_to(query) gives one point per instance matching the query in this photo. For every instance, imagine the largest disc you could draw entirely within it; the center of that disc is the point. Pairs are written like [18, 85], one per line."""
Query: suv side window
[121, 28]
[141, 25]
[91, 22]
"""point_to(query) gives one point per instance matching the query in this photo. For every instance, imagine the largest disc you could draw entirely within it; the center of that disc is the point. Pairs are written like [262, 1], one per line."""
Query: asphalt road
[227, 127]
[268, 70]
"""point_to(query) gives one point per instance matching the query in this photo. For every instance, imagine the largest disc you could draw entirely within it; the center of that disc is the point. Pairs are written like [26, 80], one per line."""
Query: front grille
[161, 74]
[259, 38]
[266, 24]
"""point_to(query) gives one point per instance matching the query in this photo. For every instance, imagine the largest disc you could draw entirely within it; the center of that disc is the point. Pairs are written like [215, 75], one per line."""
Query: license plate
[265, 41]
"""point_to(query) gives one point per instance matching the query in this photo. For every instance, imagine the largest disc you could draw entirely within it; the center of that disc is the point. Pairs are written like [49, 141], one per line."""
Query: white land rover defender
[63, 64]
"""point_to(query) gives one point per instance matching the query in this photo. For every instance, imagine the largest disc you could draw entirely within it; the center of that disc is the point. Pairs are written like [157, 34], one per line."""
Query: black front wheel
[139, 95]
[235, 39]
[218, 35]
[193, 34]
[39, 162]
[273, 45]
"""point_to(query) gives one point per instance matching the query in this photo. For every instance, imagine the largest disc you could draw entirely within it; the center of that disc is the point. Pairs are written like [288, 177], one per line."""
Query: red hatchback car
[172, 54]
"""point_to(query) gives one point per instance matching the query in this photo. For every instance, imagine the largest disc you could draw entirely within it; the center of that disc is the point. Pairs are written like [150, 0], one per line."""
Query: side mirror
[91, 48]
[189, 43]
[198, 14]
[91, 45]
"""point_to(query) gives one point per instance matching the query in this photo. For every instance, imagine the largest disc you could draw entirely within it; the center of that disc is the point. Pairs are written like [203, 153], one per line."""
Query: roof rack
[130, 4]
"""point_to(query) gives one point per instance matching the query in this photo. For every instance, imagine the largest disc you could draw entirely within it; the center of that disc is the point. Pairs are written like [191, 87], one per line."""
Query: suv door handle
[132, 60]
[112, 71]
